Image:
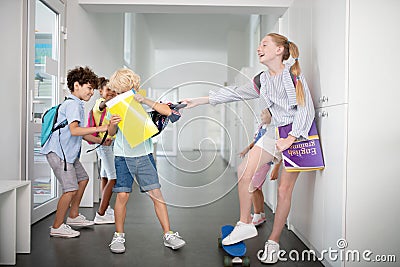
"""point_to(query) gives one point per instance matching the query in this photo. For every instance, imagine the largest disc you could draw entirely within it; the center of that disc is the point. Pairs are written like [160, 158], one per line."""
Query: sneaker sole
[80, 224]
[173, 247]
[104, 222]
[64, 236]
[117, 251]
[258, 223]
[232, 243]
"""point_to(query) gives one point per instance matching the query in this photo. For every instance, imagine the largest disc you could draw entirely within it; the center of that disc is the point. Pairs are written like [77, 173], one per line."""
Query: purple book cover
[302, 155]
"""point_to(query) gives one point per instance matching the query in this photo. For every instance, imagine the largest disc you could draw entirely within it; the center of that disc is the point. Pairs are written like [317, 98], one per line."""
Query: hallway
[200, 227]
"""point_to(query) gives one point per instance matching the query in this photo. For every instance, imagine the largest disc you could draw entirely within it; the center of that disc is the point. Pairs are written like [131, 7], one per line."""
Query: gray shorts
[68, 179]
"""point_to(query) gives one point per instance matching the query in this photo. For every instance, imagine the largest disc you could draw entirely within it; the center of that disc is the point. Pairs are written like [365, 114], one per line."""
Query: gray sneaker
[173, 240]
[64, 231]
[79, 220]
[117, 244]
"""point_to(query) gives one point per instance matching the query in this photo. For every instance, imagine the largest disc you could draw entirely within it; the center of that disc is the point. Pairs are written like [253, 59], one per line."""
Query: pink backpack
[92, 122]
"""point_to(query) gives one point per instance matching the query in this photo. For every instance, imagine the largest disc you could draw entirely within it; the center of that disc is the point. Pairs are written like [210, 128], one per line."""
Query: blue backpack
[49, 120]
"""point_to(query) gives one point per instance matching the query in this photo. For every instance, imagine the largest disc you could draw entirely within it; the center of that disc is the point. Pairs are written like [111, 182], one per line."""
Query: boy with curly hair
[66, 144]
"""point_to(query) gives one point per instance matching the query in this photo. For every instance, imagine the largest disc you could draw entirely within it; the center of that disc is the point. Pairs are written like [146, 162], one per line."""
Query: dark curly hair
[103, 81]
[82, 75]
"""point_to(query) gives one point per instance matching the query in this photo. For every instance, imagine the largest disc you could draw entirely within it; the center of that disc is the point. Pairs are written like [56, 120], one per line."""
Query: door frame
[58, 7]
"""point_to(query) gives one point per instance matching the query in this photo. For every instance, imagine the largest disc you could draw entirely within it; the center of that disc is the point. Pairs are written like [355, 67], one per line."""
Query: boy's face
[83, 92]
[107, 93]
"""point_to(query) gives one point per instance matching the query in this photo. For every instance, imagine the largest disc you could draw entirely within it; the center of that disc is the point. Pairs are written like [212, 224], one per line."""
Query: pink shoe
[258, 219]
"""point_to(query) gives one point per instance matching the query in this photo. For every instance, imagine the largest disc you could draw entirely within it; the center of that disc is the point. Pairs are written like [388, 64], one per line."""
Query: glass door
[45, 49]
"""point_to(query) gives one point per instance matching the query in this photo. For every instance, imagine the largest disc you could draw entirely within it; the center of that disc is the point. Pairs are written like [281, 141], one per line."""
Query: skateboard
[236, 251]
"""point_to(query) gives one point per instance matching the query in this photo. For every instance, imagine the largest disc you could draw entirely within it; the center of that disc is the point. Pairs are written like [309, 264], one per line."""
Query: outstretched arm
[92, 139]
[82, 131]
[161, 108]
[193, 102]
[246, 150]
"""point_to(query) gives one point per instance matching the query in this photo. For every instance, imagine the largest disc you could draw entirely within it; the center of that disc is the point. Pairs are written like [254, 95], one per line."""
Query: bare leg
[160, 208]
[62, 208]
[76, 200]
[285, 190]
[106, 196]
[246, 170]
[103, 183]
[258, 201]
[120, 211]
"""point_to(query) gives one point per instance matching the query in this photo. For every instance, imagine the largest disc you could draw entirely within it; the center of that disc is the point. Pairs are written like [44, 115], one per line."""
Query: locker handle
[322, 114]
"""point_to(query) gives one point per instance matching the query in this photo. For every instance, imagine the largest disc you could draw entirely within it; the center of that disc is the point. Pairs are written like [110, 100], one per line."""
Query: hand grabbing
[139, 98]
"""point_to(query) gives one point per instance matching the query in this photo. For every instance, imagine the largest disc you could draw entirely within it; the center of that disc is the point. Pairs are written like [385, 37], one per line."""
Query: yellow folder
[136, 125]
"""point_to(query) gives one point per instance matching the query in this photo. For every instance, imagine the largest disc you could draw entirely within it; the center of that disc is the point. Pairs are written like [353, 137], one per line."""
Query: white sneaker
[110, 211]
[106, 218]
[64, 231]
[117, 244]
[270, 252]
[173, 240]
[80, 220]
[258, 218]
[242, 231]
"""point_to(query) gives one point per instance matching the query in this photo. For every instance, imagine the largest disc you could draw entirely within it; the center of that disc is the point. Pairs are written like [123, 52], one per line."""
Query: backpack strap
[293, 77]
[103, 114]
[257, 82]
[62, 124]
[101, 143]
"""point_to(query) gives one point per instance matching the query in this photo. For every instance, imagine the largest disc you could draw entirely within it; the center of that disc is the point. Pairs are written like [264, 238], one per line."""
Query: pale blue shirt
[123, 149]
[73, 110]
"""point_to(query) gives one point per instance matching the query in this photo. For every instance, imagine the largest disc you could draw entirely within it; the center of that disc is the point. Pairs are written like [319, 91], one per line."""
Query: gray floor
[211, 201]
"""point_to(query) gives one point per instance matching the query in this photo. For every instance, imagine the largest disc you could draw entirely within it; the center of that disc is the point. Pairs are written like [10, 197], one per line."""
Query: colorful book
[304, 155]
[136, 125]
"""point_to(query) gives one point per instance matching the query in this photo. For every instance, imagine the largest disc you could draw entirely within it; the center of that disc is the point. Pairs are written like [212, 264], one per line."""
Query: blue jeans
[143, 168]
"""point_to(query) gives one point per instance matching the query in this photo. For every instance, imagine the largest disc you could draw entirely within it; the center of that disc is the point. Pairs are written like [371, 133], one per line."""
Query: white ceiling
[193, 31]
[188, 6]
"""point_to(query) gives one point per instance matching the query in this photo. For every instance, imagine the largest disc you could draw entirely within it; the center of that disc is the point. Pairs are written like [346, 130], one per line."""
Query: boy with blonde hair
[136, 162]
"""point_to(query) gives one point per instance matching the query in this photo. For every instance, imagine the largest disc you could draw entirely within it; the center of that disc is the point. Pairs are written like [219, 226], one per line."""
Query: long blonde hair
[290, 49]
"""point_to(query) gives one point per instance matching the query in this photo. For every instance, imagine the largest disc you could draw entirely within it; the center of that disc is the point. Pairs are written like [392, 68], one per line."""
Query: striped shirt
[279, 95]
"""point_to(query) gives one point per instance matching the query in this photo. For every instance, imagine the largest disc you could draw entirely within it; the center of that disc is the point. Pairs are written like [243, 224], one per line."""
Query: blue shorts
[107, 166]
[143, 168]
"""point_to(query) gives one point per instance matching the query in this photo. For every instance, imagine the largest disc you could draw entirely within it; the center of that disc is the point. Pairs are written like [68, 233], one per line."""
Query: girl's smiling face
[268, 50]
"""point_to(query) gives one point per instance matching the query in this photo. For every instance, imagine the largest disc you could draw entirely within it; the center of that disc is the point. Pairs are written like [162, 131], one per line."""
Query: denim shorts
[107, 166]
[68, 179]
[143, 168]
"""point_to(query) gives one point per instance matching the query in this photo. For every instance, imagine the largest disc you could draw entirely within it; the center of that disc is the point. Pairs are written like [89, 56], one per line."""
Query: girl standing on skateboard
[287, 105]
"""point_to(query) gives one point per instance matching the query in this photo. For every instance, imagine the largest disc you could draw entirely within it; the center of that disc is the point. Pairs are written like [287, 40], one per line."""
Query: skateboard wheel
[227, 261]
[219, 242]
[246, 262]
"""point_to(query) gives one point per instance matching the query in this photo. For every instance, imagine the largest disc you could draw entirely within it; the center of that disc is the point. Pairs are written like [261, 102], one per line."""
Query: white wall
[373, 170]
[143, 49]
[12, 89]
[94, 40]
